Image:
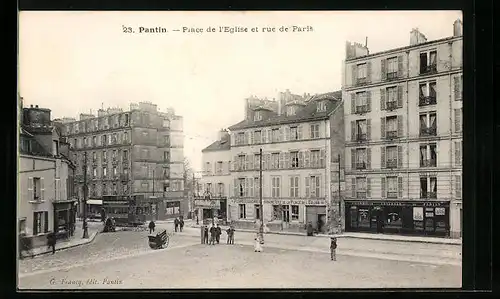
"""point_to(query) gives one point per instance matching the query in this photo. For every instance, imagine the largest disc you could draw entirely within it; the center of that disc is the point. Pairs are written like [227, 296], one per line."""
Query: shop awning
[94, 201]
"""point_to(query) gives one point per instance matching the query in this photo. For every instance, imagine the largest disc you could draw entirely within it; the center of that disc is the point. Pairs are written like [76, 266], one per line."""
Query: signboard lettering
[204, 203]
[418, 213]
[439, 211]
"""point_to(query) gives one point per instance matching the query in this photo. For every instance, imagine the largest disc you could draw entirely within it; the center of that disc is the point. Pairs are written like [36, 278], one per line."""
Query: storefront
[399, 217]
[210, 208]
[94, 208]
[168, 209]
[316, 215]
[64, 215]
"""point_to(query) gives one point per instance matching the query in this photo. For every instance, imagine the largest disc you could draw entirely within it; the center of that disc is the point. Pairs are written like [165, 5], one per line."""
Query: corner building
[403, 122]
[294, 135]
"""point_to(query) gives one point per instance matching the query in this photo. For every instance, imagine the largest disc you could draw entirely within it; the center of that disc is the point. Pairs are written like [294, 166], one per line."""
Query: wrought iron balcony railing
[361, 109]
[391, 163]
[427, 100]
[429, 131]
[391, 105]
[360, 165]
[391, 134]
[428, 163]
[428, 69]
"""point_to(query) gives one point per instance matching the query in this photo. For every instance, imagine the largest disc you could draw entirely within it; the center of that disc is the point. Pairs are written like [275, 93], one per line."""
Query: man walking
[230, 235]
[218, 232]
[151, 226]
[181, 223]
[213, 233]
[205, 234]
[333, 249]
[176, 224]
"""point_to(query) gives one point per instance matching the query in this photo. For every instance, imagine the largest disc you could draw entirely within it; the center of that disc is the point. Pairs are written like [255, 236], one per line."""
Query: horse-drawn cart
[159, 240]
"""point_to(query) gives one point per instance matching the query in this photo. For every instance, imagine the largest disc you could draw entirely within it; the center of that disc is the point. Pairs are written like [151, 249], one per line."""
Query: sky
[77, 62]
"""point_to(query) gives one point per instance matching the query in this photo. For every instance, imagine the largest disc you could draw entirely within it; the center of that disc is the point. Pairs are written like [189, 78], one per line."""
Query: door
[321, 222]
[311, 216]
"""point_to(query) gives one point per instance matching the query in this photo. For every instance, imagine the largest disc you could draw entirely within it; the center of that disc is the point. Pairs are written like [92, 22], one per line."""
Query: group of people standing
[215, 232]
[178, 225]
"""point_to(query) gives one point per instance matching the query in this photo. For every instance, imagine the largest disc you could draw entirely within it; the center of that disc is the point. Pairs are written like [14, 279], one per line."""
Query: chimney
[36, 106]
[353, 50]
[416, 37]
[457, 28]
[31, 106]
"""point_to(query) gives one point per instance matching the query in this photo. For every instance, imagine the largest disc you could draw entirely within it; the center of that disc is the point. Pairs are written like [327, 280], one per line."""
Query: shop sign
[205, 203]
[308, 202]
[418, 214]
[429, 214]
[439, 211]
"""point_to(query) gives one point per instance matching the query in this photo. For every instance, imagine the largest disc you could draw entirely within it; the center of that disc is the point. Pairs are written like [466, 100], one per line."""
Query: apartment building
[46, 200]
[216, 179]
[135, 152]
[294, 135]
[403, 122]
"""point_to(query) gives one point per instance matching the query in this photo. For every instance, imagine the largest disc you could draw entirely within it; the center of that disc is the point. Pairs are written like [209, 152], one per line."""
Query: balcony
[391, 105]
[361, 109]
[361, 81]
[428, 195]
[429, 131]
[426, 101]
[391, 134]
[361, 137]
[392, 194]
[429, 69]
[361, 194]
[392, 163]
[428, 163]
[361, 165]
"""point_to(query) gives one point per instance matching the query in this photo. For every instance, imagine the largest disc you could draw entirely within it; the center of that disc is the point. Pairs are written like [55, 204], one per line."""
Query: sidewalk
[74, 241]
[383, 237]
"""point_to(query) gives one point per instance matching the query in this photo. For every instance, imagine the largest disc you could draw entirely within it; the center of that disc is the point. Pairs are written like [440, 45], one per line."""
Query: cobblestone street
[238, 266]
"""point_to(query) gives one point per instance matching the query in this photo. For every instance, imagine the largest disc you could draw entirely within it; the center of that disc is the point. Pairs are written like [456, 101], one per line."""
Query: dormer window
[257, 116]
[321, 106]
[291, 110]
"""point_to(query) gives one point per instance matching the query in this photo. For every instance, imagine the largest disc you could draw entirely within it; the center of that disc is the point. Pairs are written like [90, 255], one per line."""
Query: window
[103, 140]
[458, 153]
[104, 171]
[458, 120]
[361, 161]
[243, 211]
[104, 189]
[114, 171]
[275, 187]
[257, 116]
[277, 212]
[391, 126]
[314, 131]
[115, 155]
[257, 211]
[294, 133]
[392, 187]
[361, 130]
[275, 161]
[37, 188]
[428, 62]
[218, 167]
[315, 160]
[391, 153]
[220, 189]
[428, 187]
[291, 110]
[294, 186]
[104, 157]
[294, 156]
[392, 68]
[428, 124]
[165, 157]
[321, 106]
[458, 186]
[257, 137]
[313, 186]
[240, 139]
[276, 135]
[94, 172]
[361, 187]
[286, 213]
[40, 222]
[427, 94]
[85, 141]
[361, 72]
[428, 155]
[257, 186]
[240, 162]
[392, 98]
[241, 187]
[361, 102]
[94, 141]
[94, 157]
[458, 87]
[295, 212]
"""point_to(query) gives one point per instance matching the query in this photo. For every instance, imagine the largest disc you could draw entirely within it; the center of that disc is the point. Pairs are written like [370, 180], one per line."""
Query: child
[333, 248]
[258, 246]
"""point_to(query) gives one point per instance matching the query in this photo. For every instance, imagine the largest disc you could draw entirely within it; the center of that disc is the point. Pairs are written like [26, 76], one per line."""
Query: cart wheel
[166, 242]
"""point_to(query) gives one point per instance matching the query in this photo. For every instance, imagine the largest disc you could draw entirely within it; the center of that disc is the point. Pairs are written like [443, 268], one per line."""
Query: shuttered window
[458, 120]
[458, 153]
[458, 186]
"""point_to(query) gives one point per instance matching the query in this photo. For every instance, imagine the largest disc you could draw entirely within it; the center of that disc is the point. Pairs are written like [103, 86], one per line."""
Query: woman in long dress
[258, 245]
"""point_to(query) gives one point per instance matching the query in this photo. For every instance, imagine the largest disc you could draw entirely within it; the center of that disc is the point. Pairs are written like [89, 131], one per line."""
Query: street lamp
[85, 194]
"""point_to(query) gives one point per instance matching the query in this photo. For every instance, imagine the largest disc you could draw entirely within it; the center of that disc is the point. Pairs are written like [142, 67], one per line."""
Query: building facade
[46, 198]
[294, 134]
[212, 200]
[135, 152]
[403, 122]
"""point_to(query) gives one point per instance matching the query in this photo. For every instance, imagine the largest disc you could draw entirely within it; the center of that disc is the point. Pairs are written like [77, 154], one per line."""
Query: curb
[444, 241]
[90, 240]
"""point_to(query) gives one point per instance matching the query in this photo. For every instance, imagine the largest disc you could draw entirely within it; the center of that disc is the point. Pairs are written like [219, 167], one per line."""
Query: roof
[218, 145]
[304, 114]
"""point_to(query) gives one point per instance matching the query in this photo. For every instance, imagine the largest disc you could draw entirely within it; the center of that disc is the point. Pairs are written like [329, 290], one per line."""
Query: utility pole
[340, 201]
[85, 191]
[261, 230]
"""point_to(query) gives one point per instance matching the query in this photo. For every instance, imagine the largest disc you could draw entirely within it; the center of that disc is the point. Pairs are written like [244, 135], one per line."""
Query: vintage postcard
[205, 150]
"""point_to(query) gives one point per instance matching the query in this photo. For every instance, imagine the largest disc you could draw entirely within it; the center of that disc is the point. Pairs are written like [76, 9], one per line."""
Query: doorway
[321, 222]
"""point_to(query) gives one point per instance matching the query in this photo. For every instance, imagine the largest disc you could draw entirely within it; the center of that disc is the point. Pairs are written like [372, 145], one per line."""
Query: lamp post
[261, 230]
[85, 191]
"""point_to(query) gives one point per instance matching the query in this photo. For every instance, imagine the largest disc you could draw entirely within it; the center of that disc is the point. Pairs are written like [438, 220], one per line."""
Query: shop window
[277, 214]
[242, 211]
[286, 213]
[295, 212]
[363, 218]
[393, 217]
[257, 212]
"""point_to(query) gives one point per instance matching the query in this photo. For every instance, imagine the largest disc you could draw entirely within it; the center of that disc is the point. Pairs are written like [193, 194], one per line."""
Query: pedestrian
[205, 234]
[181, 223]
[258, 245]
[230, 235]
[309, 229]
[151, 226]
[218, 232]
[213, 233]
[333, 249]
[176, 224]
[51, 241]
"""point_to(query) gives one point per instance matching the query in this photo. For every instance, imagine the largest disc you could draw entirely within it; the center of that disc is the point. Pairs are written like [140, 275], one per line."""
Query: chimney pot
[36, 106]
[31, 106]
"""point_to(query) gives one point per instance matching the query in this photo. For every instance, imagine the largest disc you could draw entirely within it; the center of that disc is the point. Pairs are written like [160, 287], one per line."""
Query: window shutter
[282, 133]
[382, 157]
[46, 222]
[301, 159]
[369, 100]
[383, 188]
[456, 88]
[369, 129]
[458, 122]
[270, 136]
[400, 126]
[400, 66]
[236, 187]
[368, 187]
[458, 154]
[458, 186]
[307, 185]
[383, 69]
[400, 187]
[368, 158]
[354, 70]
[287, 160]
[353, 187]
[287, 133]
[252, 137]
[264, 161]
[35, 228]
[299, 131]
[263, 136]
[31, 196]
[400, 156]
[247, 162]
[308, 159]
[42, 189]
[400, 96]
[247, 137]
[353, 130]
[353, 103]
[282, 160]
[382, 127]
[247, 183]
[322, 158]
[268, 160]
[353, 158]
[382, 99]
[368, 71]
